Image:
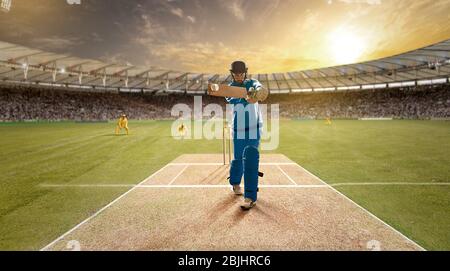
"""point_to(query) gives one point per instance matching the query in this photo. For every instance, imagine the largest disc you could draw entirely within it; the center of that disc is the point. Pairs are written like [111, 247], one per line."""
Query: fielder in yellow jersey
[122, 123]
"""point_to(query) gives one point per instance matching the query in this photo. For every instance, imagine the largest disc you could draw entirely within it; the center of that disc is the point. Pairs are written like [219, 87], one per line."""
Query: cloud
[119, 58]
[302, 44]
[96, 37]
[180, 13]
[400, 26]
[56, 42]
[368, 2]
[292, 35]
[235, 7]
[177, 12]
[149, 30]
[215, 57]
[268, 7]
[191, 19]
[205, 35]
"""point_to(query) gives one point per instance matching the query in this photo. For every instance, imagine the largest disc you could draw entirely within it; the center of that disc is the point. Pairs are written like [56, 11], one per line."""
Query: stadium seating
[21, 103]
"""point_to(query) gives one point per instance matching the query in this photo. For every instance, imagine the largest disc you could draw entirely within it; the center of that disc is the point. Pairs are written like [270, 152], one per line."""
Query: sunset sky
[206, 35]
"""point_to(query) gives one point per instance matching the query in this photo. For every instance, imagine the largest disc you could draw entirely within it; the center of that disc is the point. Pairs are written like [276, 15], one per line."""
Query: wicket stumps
[226, 144]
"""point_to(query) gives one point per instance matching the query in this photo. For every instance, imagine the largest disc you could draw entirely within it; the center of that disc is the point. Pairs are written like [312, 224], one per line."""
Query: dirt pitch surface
[188, 205]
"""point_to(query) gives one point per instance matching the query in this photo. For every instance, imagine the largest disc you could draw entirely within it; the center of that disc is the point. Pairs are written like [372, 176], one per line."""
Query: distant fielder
[182, 130]
[122, 123]
[247, 127]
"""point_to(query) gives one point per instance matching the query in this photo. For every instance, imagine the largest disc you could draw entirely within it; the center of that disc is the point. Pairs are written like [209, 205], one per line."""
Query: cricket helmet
[238, 67]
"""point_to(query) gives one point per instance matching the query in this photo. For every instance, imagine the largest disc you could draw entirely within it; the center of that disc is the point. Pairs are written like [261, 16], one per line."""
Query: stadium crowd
[422, 102]
[22, 103]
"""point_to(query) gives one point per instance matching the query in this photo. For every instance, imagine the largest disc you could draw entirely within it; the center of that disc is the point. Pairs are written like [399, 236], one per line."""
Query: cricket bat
[226, 91]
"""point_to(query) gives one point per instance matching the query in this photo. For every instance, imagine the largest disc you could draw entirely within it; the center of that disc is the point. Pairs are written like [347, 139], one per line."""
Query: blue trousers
[237, 166]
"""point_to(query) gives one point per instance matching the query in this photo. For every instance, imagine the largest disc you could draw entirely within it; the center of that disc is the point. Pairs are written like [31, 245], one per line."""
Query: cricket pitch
[188, 205]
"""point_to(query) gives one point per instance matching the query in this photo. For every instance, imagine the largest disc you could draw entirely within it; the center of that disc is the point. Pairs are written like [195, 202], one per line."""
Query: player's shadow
[262, 208]
[265, 209]
[222, 206]
[216, 176]
[238, 215]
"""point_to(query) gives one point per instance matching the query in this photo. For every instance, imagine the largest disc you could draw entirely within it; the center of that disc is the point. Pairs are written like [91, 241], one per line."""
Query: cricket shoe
[248, 204]
[237, 190]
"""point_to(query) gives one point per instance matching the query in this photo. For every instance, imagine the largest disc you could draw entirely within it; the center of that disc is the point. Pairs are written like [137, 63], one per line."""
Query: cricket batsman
[122, 123]
[246, 131]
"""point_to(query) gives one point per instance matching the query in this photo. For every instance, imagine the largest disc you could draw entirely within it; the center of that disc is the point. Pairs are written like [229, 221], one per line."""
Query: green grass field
[357, 152]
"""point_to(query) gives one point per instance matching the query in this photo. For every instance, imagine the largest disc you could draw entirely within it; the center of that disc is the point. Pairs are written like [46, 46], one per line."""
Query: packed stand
[22, 103]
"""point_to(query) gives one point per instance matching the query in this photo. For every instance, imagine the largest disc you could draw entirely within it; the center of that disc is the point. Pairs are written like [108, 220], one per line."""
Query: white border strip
[221, 164]
[228, 186]
[178, 175]
[100, 211]
[390, 184]
[221, 186]
[362, 208]
[285, 174]
[184, 186]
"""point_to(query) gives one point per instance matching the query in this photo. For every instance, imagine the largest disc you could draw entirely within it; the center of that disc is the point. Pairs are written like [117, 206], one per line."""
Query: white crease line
[362, 208]
[221, 186]
[285, 174]
[179, 173]
[228, 186]
[390, 183]
[182, 186]
[221, 164]
[100, 211]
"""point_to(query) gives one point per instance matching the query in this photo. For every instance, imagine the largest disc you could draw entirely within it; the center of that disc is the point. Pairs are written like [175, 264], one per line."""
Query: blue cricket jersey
[253, 117]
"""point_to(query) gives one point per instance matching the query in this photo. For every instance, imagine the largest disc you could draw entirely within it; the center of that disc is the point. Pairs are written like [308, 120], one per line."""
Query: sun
[345, 46]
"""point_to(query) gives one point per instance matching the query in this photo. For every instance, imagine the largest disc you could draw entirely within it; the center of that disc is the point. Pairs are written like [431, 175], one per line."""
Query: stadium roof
[426, 65]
